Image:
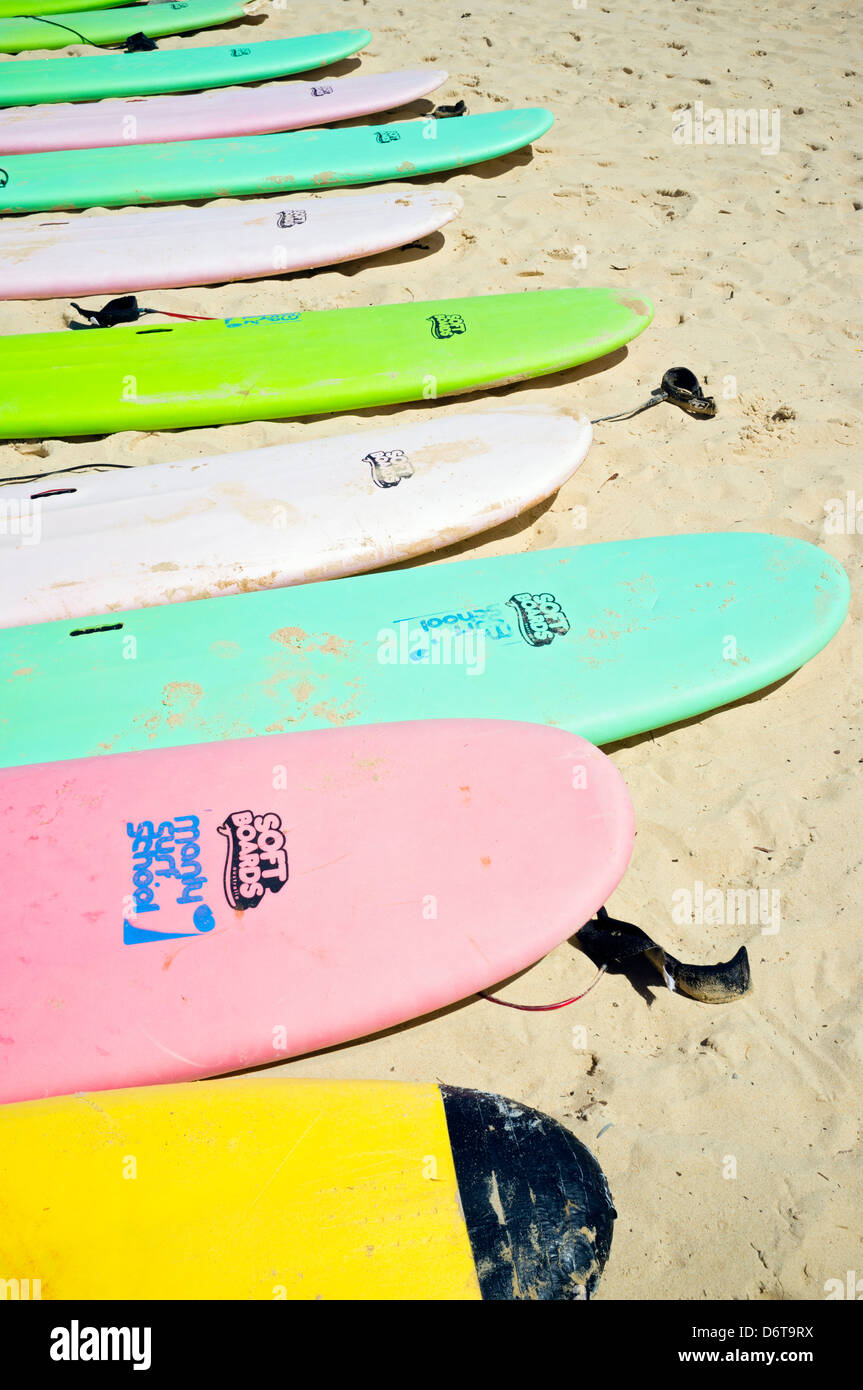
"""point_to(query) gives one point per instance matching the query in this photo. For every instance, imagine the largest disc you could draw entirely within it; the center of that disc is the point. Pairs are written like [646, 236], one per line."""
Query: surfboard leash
[680, 386]
[25, 478]
[126, 310]
[135, 43]
[543, 1008]
[609, 942]
[43, 19]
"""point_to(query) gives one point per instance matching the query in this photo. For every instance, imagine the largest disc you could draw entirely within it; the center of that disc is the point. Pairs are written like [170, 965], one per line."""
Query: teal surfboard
[114, 26]
[31, 81]
[606, 640]
[281, 163]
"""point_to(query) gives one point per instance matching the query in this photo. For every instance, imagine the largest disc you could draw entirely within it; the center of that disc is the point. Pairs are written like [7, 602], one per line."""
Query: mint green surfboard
[281, 163]
[30, 81]
[605, 640]
[276, 365]
[114, 26]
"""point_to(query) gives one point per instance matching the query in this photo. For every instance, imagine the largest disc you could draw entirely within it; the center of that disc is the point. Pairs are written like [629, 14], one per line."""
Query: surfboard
[54, 254]
[610, 640]
[114, 26]
[271, 366]
[290, 163]
[204, 115]
[173, 914]
[30, 81]
[10, 9]
[273, 1189]
[268, 517]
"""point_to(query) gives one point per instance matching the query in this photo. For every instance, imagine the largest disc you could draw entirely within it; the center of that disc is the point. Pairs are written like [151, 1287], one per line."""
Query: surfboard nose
[638, 305]
[536, 1203]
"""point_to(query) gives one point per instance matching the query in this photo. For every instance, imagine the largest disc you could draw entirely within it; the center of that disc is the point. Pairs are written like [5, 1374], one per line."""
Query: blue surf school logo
[166, 863]
[261, 318]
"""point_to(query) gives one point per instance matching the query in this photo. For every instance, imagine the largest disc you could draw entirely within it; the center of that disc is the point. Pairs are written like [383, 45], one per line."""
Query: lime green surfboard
[11, 8]
[114, 26]
[31, 81]
[605, 640]
[245, 164]
[271, 366]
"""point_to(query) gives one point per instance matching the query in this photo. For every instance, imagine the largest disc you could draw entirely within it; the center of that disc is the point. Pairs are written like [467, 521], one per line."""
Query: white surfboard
[73, 545]
[210, 115]
[56, 254]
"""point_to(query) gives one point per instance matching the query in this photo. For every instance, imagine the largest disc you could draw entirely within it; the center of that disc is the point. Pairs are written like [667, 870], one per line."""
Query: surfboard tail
[537, 1207]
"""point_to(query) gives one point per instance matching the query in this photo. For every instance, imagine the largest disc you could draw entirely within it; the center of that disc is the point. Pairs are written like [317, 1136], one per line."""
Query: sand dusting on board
[748, 257]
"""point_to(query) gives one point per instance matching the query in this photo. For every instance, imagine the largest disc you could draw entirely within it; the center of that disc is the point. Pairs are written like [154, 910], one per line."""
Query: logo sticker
[166, 861]
[261, 318]
[4, 178]
[540, 618]
[386, 137]
[418, 634]
[446, 325]
[389, 466]
[257, 862]
[322, 91]
[294, 217]
[240, 52]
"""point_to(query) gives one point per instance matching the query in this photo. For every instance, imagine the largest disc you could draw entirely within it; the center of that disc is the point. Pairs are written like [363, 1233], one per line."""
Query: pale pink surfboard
[53, 254]
[178, 913]
[208, 115]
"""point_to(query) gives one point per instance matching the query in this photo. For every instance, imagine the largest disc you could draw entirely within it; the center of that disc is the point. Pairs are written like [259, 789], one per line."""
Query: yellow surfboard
[284, 1189]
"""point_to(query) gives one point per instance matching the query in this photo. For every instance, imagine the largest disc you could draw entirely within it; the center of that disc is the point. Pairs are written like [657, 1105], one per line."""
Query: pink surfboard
[54, 254]
[209, 115]
[178, 913]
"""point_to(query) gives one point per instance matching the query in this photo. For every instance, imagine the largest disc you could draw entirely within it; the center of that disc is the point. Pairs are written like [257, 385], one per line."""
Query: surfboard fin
[680, 386]
[607, 941]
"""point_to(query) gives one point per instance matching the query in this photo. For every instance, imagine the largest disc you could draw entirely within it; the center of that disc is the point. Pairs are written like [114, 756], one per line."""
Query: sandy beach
[730, 1135]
